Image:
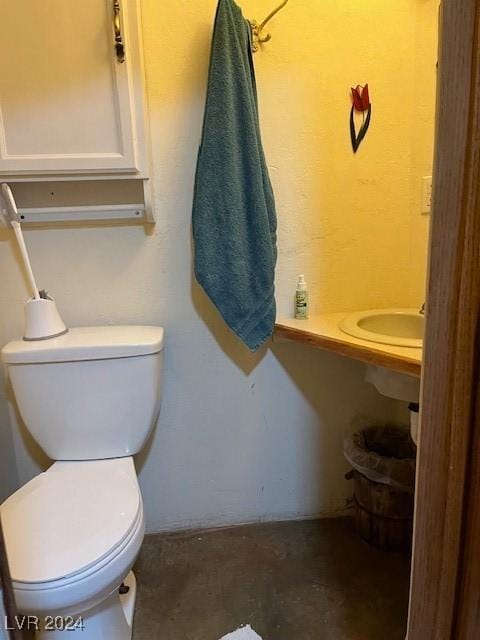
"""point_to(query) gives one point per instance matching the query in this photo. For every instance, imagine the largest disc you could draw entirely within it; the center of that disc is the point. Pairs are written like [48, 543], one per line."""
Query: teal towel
[234, 219]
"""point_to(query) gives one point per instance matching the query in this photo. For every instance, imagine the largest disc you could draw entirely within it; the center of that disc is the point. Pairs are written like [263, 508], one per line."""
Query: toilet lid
[66, 520]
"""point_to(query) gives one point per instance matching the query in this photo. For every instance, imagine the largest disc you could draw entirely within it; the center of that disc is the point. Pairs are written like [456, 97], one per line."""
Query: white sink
[396, 327]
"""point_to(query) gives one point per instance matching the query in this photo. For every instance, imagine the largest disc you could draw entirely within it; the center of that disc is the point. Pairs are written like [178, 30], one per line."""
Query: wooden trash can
[383, 461]
[383, 516]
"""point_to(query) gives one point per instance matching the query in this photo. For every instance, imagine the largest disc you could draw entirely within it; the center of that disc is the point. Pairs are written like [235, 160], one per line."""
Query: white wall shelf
[85, 201]
[74, 142]
[83, 214]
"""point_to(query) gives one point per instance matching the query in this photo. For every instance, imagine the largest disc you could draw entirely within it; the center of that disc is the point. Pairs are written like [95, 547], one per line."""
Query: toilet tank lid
[87, 343]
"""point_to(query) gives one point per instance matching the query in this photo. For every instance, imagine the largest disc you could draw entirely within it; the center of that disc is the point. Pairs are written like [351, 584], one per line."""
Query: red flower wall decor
[361, 104]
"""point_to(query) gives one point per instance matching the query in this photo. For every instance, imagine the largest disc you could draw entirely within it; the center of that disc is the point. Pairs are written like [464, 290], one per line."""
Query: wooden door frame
[445, 590]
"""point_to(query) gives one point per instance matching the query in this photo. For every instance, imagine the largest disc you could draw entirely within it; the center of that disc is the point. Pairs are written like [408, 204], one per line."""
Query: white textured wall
[245, 437]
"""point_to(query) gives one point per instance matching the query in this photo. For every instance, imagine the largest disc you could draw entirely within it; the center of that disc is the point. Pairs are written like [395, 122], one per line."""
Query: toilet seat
[88, 572]
[70, 521]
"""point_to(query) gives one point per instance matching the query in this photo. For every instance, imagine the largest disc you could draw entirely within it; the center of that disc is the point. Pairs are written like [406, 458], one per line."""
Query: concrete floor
[311, 580]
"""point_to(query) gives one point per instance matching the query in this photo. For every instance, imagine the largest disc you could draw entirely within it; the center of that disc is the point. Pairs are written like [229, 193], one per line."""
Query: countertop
[323, 332]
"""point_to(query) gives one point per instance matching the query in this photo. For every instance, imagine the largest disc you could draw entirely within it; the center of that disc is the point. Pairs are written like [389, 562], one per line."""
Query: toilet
[90, 398]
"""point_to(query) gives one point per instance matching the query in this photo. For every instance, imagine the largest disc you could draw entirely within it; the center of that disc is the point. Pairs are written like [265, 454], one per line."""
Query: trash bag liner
[384, 454]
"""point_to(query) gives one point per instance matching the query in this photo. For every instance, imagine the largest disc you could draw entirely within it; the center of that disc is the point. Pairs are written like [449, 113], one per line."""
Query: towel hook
[257, 29]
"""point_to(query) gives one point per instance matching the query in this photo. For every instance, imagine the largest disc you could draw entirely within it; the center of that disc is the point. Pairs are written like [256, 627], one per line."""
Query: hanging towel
[234, 219]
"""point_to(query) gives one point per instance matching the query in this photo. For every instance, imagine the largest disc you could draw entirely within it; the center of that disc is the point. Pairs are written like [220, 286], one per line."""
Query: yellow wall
[422, 136]
[351, 223]
[245, 437]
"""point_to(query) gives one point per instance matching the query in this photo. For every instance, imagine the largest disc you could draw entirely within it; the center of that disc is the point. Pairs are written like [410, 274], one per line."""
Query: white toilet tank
[90, 394]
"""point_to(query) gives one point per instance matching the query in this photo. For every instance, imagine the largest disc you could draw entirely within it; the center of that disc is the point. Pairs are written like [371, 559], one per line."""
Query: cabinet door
[67, 104]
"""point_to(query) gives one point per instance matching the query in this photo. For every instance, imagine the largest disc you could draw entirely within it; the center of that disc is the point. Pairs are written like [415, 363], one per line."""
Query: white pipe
[26, 259]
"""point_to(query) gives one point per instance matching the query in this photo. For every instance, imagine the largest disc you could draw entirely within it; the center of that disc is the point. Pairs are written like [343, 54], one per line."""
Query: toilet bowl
[90, 398]
[73, 534]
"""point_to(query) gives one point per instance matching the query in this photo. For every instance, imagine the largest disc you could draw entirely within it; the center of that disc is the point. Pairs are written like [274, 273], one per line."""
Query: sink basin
[396, 327]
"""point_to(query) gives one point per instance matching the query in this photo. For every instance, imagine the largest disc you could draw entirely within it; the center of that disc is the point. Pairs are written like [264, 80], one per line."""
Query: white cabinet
[68, 104]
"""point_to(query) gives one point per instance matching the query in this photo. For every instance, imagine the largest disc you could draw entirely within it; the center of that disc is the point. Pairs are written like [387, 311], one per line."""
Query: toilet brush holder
[42, 320]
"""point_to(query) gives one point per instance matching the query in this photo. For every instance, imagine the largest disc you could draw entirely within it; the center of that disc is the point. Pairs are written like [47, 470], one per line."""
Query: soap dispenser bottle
[301, 299]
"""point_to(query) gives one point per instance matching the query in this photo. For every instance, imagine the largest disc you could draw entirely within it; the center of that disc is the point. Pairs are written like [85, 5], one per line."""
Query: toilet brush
[42, 320]
[15, 224]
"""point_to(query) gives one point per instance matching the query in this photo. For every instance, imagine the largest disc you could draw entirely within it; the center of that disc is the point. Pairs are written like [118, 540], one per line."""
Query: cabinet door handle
[117, 29]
